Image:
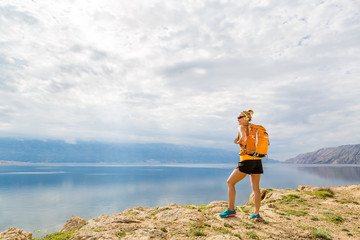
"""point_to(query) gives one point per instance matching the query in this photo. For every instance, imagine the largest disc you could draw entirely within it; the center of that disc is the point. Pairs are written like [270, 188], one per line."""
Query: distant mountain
[53, 151]
[347, 154]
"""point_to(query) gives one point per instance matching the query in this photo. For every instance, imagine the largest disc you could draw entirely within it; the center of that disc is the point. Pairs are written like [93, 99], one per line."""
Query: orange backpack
[257, 143]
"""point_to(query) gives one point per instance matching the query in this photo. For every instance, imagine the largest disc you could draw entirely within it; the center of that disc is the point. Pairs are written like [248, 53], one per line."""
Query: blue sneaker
[256, 217]
[227, 213]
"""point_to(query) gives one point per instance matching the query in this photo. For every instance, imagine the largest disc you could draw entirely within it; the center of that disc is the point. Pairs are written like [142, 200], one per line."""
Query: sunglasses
[240, 117]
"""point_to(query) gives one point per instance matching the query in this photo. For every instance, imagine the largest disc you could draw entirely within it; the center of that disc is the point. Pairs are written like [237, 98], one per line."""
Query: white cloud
[180, 71]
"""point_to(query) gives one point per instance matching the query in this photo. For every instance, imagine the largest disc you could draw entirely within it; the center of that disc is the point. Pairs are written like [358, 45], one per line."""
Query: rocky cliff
[347, 154]
[305, 213]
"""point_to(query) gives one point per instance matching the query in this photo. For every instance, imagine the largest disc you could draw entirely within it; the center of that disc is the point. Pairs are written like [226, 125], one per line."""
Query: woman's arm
[242, 133]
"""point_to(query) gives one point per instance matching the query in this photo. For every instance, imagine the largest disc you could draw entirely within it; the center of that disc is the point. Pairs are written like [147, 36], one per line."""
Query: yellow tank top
[248, 157]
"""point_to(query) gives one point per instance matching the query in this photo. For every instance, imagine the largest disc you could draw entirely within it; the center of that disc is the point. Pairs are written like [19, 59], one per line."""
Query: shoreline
[303, 213]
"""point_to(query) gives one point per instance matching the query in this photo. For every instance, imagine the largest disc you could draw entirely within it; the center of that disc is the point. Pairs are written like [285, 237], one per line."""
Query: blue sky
[181, 71]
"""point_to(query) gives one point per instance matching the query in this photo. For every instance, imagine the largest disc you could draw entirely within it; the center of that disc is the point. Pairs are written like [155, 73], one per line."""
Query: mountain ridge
[345, 154]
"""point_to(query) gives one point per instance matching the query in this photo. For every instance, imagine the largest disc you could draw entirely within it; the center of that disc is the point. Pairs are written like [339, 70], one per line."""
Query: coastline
[303, 213]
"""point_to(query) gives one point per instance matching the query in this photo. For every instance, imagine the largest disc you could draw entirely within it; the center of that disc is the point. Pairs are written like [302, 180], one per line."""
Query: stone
[15, 234]
[73, 224]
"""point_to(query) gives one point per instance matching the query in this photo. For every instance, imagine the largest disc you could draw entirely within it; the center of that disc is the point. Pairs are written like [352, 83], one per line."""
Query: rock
[181, 215]
[218, 204]
[123, 219]
[73, 224]
[15, 234]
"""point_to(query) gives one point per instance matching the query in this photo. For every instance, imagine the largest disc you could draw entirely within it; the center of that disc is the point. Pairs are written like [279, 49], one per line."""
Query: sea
[39, 198]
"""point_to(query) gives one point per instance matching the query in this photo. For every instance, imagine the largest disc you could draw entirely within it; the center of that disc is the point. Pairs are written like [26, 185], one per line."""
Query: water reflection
[348, 173]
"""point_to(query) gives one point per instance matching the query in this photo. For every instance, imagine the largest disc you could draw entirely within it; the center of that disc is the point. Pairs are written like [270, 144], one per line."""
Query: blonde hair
[248, 114]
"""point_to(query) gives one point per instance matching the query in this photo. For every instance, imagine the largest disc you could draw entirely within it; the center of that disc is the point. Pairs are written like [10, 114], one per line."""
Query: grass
[204, 207]
[321, 233]
[332, 217]
[305, 227]
[57, 236]
[346, 201]
[199, 225]
[221, 230]
[121, 234]
[293, 199]
[155, 212]
[133, 213]
[295, 212]
[322, 193]
[252, 235]
[228, 225]
[164, 229]
[197, 233]
[248, 225]
[314, 218]
[238, 236]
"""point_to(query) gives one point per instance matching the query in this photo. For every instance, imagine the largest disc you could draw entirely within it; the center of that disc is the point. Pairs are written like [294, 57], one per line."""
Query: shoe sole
[230, 215]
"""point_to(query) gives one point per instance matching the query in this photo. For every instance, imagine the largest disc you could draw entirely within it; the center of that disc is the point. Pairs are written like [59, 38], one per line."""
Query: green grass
[228, 225]
[293, 199]
[221, 230]
[305, 227]
[248, 225]
[57, 236]
[346, 201]
[321, 233]
[121, 234]
[197, 233]
[155, 212]
[199, 225]
[332, 217]
[314, 218]
[322, 193]
[133, 213]
[164, 229]
[295, 212]
[252, 235]
[238, 236]
[204, 207]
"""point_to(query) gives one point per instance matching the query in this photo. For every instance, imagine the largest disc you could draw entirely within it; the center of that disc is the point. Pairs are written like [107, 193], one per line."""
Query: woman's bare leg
[234, 178]
[255, 182]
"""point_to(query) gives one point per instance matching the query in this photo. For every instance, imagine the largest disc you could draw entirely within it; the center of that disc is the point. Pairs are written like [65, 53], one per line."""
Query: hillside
[347, 154]
[305, 213]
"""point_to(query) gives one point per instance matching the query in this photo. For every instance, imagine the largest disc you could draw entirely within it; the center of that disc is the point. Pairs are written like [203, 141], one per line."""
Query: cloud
[180, 71]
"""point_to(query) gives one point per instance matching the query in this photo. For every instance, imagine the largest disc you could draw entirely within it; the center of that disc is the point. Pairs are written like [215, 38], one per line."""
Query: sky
[180, 72]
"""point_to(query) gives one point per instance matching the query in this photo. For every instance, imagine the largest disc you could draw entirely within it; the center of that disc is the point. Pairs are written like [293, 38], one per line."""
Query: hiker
[248, 165]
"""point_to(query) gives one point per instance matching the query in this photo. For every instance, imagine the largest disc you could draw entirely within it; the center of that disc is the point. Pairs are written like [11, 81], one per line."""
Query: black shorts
[251, 166]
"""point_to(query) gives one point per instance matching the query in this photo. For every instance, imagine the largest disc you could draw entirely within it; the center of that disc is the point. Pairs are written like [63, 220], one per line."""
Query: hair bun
[251, 112]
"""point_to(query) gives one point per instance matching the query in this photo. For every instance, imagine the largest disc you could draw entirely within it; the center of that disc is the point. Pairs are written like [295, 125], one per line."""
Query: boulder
[73, 224]
[15, 234]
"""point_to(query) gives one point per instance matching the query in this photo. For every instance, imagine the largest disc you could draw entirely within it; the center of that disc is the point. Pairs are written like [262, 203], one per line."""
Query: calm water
[44, 197]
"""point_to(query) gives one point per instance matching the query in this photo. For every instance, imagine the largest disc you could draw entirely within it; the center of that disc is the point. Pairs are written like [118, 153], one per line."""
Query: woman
[247, 165]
